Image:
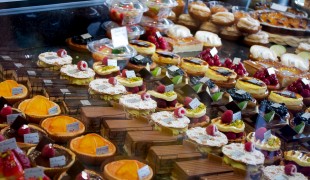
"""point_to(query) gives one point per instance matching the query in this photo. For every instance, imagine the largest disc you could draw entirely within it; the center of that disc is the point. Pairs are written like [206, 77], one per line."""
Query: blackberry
[239, 97]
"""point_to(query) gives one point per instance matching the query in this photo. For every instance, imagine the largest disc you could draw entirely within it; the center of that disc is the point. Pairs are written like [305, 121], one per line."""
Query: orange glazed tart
[12, 91]
[38, 108]
[126, 170]
[62, 128]
[92, 148]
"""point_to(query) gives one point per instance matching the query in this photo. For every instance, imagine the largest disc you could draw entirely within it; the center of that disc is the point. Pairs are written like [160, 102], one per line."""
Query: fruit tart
[12, 91]
[62, 128]
[108, 89]
[166, 98]
[301, 123]
[8, 115]
[208, 140]
[92, 149]
[268, 144]
[258, 53]
[257, 88]
[138, 105]
[269, 77]
[196, 112]
[194, 66]
[132, 83]
[127, 169]
[223, 18]
[237, 66]
[244, 158]
[79, 74]
[79, 43]
[143, 47]
[174, 123]
[300, 159]
[54, 60]
[106, 68]
[211, 60]
[293, 60]
[302, 87]
[38, 108]
[139, 62]
[221, 76]
[234, 130]
[293, 101]
[288, 172]
[162, 58]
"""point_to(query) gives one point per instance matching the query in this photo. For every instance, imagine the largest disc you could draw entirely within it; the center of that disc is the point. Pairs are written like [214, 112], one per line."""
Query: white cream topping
[134, 101]
[167, 119]
[248, 23]
[304, 47]
[199, 135]
[277, 172]
[223, 17]
[293, 60]
[72, 71]
[200, 7]
[53, 59]
[209, 26]
[208, 38]
[103, 86]
[261, 36]
[237, 152]
[178, 31]
[263, 53]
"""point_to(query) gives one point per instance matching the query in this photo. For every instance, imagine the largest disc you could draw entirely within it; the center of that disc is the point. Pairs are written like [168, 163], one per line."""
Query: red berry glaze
[249, 146]
[112, 80]
[105, 61]
[212, 130]
[24, 129]
[301, 88]
[266, 78]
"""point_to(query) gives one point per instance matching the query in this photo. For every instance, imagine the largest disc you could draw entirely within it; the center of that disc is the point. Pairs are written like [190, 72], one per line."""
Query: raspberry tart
[79, 74]
[132, 84]
[282, 172]
[105, 69]
[85, 174]
[257, 88]
[269, 78]
[302, 87]
[300, 159]
[197, 115]
[237, 67]
[258, 53]
[293, 101]
[211, 60]
[221, 76]
[12, 91]
[54, 60]
[194, 66]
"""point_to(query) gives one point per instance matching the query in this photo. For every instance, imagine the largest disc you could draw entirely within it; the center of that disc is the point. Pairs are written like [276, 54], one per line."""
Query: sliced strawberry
[11, 166]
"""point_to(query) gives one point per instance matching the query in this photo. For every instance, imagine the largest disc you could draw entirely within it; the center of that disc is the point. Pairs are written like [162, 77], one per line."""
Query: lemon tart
[223, 77]
[257, 88]
[12, 91]
[163, 57]
[132, 84]
[194, 66]
[293, 101]
[103, 69]
[300, 159]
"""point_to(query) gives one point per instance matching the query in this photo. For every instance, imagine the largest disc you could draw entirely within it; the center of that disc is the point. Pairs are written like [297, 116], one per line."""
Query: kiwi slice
[305, 55]
[156, 71]
[269, 116]
[278, 49]
[198, 87]
[177, 79]
[242, 105]
[217, 96]
[300, 127]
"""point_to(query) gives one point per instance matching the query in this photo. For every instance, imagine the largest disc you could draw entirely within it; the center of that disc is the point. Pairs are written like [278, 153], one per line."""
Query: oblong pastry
[230, 33]
[199, 10]
[179, 31]
[8, 86]
[223, 77]
[223, 18]
[258, 53]
[103, 70]
[257, 88]
[189, 22]
[210, 26]
[163, 57]
[248, 25]
[303, 47]
[208, 39]
[260, 38]
[194, 66]
[293, 101]
[293, 60]
[143, 47]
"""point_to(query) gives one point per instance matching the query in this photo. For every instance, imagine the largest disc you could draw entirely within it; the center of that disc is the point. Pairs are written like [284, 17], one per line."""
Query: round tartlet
[130, 82]
[272, 172]
[125, 169]
[37, 108]
[53, 61]
[300, 159]
[106, 90]
[143, 47]
[56, 128]
[135, 105]
[194, 66]
[75, 76]
[103, 70]
[93, 175]
[208, 39]
[223, 77]
[223, 18]
[162, 58]
[6, 91]
[248, 25]
[85, 147]
[257, 88]
[139, 62]
[293, 103]
[197, 112]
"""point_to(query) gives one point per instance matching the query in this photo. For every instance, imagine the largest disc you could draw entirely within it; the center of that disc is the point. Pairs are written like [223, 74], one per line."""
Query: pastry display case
[154, 89]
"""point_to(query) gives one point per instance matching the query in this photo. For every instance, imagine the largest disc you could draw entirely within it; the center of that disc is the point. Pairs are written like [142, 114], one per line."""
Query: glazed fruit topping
[6, 110]
[24, 129]
[82, 176]
[267, 106]
[260, 132]
[249, 147]
[145, 96]
[82, 65]
[187, 101]
[239, 96]
[48, 151]
[180, 112]
[290, 169]
[238, 68]
[300, 87]
[302, 117]
[212, 130]
[105, 61]
[112, 80]
[227, 117]
[265, 76]
[61, 53]
[211, 60]
[161, 88]
[159, 41]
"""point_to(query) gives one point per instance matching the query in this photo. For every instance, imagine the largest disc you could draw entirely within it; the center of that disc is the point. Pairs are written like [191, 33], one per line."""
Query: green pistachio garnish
[273, 141]
[237, 123]
[169, 94]
[201, 107]
[105, 68]
[308, 160]
[134, 79]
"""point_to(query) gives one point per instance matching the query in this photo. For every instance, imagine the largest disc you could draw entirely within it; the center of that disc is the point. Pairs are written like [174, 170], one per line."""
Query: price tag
[194, 103]
[278, 7]
[85, 102]
[33, 173]
[144, 172]
[158, 34]
[267, 135]
[169, 88]
[86, 36]
[11, 118]
[133, 100]
[53, 110]
[130, 74]
[168, 120]
[47, 81]
[139, 57]
[213, 52]
[6, 58]
[31, 73]
[276, 105]
[240, 92]
[57, 161]
[32, 138]
[147, 67]
[237, 154]
[305, 81]
[65, 91]
[204, 79]
[51, 57]
[271, 71]
[173, 68]
[18, 65]
[8, 145]
[306, 115]
[236, 60]
[102, 150]
[236, 116]
[287, 93]
[112, 62]
[17, 90]
[73, 127]
[119, 37]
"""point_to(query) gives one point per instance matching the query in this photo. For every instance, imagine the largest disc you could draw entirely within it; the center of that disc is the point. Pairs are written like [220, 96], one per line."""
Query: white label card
[8, 144]
[85, 102]
[305, 81]
[102, 150]
[6, 58]
[139, 57]
[33, 173]
[73, 127]
[31, 73]
[58, 161]
[278, 7]
[194, 103]
[11, 118]
[236, 60]
[53, 110]
[130, 74]
[213, 52]
[112, 62]
[240, 92]
[31, 138]
[271, 71]
[237, 116]
[18, 65]
[86, 36]
[267, 135]
[158, 34]
[204, 79]
[144, 172]
[17, 90]
[173, 68]
[119, 37]
[276, 105]
[169, 88]
[306, 115]
[64, 91]
[48, 81]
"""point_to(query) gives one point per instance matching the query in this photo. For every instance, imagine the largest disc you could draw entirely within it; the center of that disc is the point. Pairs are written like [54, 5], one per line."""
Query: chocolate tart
[223, 77]
[12, 84]
[194, 66]
[37, 160]
[92, 175]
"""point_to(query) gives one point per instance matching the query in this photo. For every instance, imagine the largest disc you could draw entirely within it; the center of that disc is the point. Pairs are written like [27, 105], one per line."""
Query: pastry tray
[73, 106]
[8, 68]
[61, 92]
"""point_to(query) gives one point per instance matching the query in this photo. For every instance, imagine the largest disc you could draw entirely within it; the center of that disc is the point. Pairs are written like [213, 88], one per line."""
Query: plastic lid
[160, 3]
[118, 53]
[241, 8]
[133, 30]
[160, 24]
[218, 3]
[128, 5]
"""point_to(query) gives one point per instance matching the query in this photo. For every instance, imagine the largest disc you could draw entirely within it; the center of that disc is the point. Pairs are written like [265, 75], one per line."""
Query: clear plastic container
[218, 6]
[133, 31]
[127, 12]
[159, 9]
[161, 25]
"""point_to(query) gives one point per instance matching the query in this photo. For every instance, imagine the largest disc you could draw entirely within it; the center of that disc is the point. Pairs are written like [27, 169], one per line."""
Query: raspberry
[228, 62]
[105, 61]
[240, 72]
[112, 80]
[62, 53]
[187, 101]
[82, 65]
[161, 88]
[142, 87]
[216, 58]
[290, 169]
[24, 129]
[227, 116]
[266, 81]
[211, 62]
[6, 110]
[2, 138]
[124, 73]
[239, 135]
[249, 146]
[203, 118]
[259, 133]
[135, 90]
[195, 120]
[161, 103]
[212, 130]
[162, 43]
[305, 93]
[172, 103]
[217, 63]
[153, 40]
[48, 151]
[179, 113]
[231, 135]
[145, 96]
